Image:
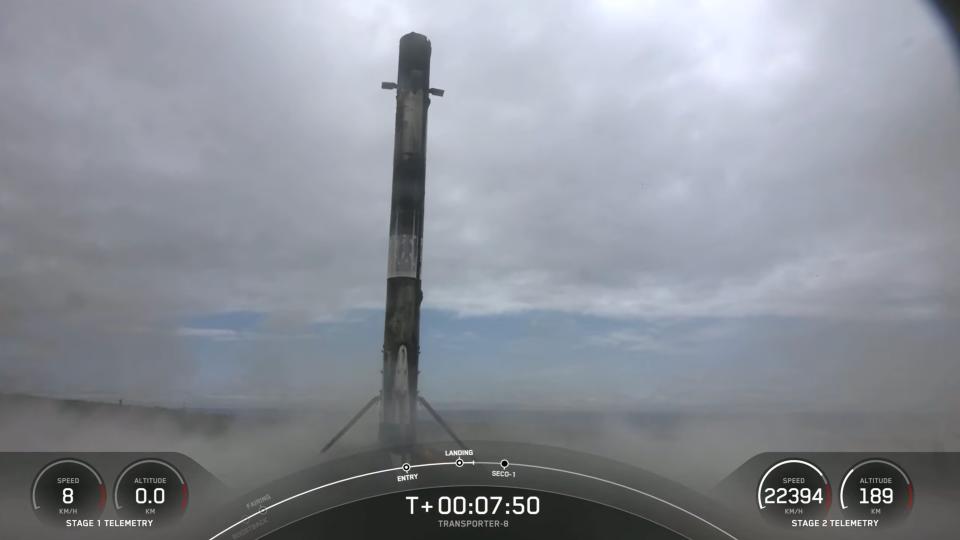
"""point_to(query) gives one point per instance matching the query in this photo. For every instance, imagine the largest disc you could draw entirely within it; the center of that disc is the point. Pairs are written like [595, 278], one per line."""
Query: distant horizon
[338, 407]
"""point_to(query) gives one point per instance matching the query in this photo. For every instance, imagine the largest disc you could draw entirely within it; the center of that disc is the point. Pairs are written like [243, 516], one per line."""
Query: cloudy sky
[629, 203]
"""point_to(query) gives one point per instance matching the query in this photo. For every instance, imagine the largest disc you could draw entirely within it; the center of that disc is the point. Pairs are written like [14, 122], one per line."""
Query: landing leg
[351, 423]
[440, 421]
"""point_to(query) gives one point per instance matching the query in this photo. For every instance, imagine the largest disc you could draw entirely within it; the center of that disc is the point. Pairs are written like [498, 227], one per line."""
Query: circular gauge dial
[876, 489]
[151, 489]
[68, 489]
[793, 489]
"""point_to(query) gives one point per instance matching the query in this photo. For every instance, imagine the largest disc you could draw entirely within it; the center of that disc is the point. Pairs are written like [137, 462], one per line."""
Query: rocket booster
[401, 334]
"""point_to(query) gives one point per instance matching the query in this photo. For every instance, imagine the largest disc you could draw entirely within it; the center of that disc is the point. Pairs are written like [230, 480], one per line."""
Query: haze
[630, 205]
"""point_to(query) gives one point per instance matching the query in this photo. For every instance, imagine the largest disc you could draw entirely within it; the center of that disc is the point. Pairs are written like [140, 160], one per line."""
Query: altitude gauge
[876, 489]
[151, 489]
[793, 489]
[68, 489]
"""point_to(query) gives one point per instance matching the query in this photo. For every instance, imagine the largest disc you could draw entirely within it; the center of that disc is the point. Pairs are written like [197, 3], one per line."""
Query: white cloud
[220, 334]
[624, 160]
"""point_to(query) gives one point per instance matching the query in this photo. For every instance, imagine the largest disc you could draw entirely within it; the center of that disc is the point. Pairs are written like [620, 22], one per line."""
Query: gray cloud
[162, 160]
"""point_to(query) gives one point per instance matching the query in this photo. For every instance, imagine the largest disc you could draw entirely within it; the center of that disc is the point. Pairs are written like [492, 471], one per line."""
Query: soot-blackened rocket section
[401, 329]
[401, 332]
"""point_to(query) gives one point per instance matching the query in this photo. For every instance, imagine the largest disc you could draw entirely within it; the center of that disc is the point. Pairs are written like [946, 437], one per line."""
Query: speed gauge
[793, 489]
[68, 489]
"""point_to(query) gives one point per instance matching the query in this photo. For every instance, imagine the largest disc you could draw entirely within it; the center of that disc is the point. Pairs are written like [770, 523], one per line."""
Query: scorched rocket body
[401, 333]
[401, 329]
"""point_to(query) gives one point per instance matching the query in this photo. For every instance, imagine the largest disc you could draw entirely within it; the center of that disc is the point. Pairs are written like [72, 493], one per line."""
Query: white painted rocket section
[403, 257]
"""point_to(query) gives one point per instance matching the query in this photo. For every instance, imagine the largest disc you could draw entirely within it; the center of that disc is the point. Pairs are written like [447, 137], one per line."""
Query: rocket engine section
[401, 336]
